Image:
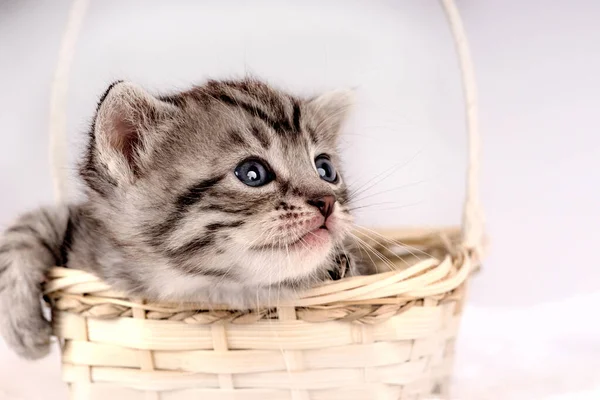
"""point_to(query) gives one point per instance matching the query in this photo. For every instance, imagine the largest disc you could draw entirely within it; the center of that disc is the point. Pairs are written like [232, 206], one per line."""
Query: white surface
[530, 331]
[538, 352]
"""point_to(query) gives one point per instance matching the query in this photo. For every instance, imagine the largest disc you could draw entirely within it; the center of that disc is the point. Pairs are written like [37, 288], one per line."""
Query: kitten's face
[231, 182]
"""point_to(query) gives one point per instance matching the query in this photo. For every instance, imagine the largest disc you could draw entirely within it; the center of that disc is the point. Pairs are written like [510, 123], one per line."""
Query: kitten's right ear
[127, 127]
[330, 111]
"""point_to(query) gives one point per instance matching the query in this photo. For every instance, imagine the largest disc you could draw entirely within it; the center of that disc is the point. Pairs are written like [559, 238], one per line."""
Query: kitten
[227, 193]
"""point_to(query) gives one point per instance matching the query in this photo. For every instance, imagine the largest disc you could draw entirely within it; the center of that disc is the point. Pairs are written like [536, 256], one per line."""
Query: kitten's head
[233, 181]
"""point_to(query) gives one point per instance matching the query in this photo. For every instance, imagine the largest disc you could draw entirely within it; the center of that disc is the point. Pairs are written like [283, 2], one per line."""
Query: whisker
[397, 207]
[378, 178]
[356, 200]
[390, 250]
[347, 260]
[376, 253]
[396, 242]
[396, 255]
[361, 248]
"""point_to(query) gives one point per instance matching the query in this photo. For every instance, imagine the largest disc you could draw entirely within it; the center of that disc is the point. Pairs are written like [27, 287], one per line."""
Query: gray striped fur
[165, 216]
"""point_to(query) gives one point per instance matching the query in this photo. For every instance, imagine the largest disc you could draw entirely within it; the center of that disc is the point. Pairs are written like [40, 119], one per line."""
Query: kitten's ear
[127, 127]
[330, 111]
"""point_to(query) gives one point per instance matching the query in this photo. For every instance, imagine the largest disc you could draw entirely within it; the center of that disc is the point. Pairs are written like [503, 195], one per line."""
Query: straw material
[386, 336]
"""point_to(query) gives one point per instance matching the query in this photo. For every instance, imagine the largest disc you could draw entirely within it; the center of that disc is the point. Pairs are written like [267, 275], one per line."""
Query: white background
[531, 328]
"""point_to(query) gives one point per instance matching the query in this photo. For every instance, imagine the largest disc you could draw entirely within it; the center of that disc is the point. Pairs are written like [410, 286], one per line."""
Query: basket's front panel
[388, 336]
[403, 357]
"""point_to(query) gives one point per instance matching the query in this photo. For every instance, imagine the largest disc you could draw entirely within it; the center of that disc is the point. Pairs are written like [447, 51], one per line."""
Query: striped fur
[167, 219]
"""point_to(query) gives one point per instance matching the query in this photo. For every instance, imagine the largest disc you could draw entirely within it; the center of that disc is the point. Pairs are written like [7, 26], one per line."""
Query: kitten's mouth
[309, 241]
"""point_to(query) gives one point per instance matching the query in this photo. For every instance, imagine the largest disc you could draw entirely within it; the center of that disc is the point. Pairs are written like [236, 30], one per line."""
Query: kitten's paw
[340, 267]
[347, 266]
[361, 268]
[26, 331]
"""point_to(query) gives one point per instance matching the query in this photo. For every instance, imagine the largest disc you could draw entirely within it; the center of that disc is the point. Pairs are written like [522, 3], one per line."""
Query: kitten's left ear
[330, 111]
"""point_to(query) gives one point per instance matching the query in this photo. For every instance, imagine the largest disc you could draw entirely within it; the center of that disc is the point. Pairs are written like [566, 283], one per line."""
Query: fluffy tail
[28, 249]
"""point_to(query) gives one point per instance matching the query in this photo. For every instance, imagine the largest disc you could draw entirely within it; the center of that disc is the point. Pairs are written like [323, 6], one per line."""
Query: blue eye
[254, 173]
[326, 169]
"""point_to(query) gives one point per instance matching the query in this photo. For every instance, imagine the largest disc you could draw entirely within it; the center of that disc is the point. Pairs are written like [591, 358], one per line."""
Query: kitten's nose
[324, 204]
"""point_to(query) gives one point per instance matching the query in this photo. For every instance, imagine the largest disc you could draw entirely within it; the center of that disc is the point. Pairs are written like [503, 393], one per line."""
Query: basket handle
[58, 100]
[472, 225]
[472, 213]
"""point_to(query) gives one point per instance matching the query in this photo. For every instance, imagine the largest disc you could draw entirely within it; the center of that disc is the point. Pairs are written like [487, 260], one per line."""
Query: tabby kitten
[226, 193]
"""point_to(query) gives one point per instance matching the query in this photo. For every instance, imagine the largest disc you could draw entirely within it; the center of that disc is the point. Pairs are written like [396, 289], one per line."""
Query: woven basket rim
[155, 351]
[428, 277]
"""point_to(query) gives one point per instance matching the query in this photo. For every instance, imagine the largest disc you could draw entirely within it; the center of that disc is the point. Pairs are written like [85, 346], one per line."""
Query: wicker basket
[385, 336]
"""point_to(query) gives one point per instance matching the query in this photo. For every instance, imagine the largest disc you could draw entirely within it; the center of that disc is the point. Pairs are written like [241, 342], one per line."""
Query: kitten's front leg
[28, 249]
[348, 263]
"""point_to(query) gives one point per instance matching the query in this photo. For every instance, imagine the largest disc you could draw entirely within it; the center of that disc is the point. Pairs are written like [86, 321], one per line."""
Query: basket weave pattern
[388, 336]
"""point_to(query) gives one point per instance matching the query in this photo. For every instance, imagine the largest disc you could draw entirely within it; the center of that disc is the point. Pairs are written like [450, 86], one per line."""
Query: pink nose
[325, 204]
